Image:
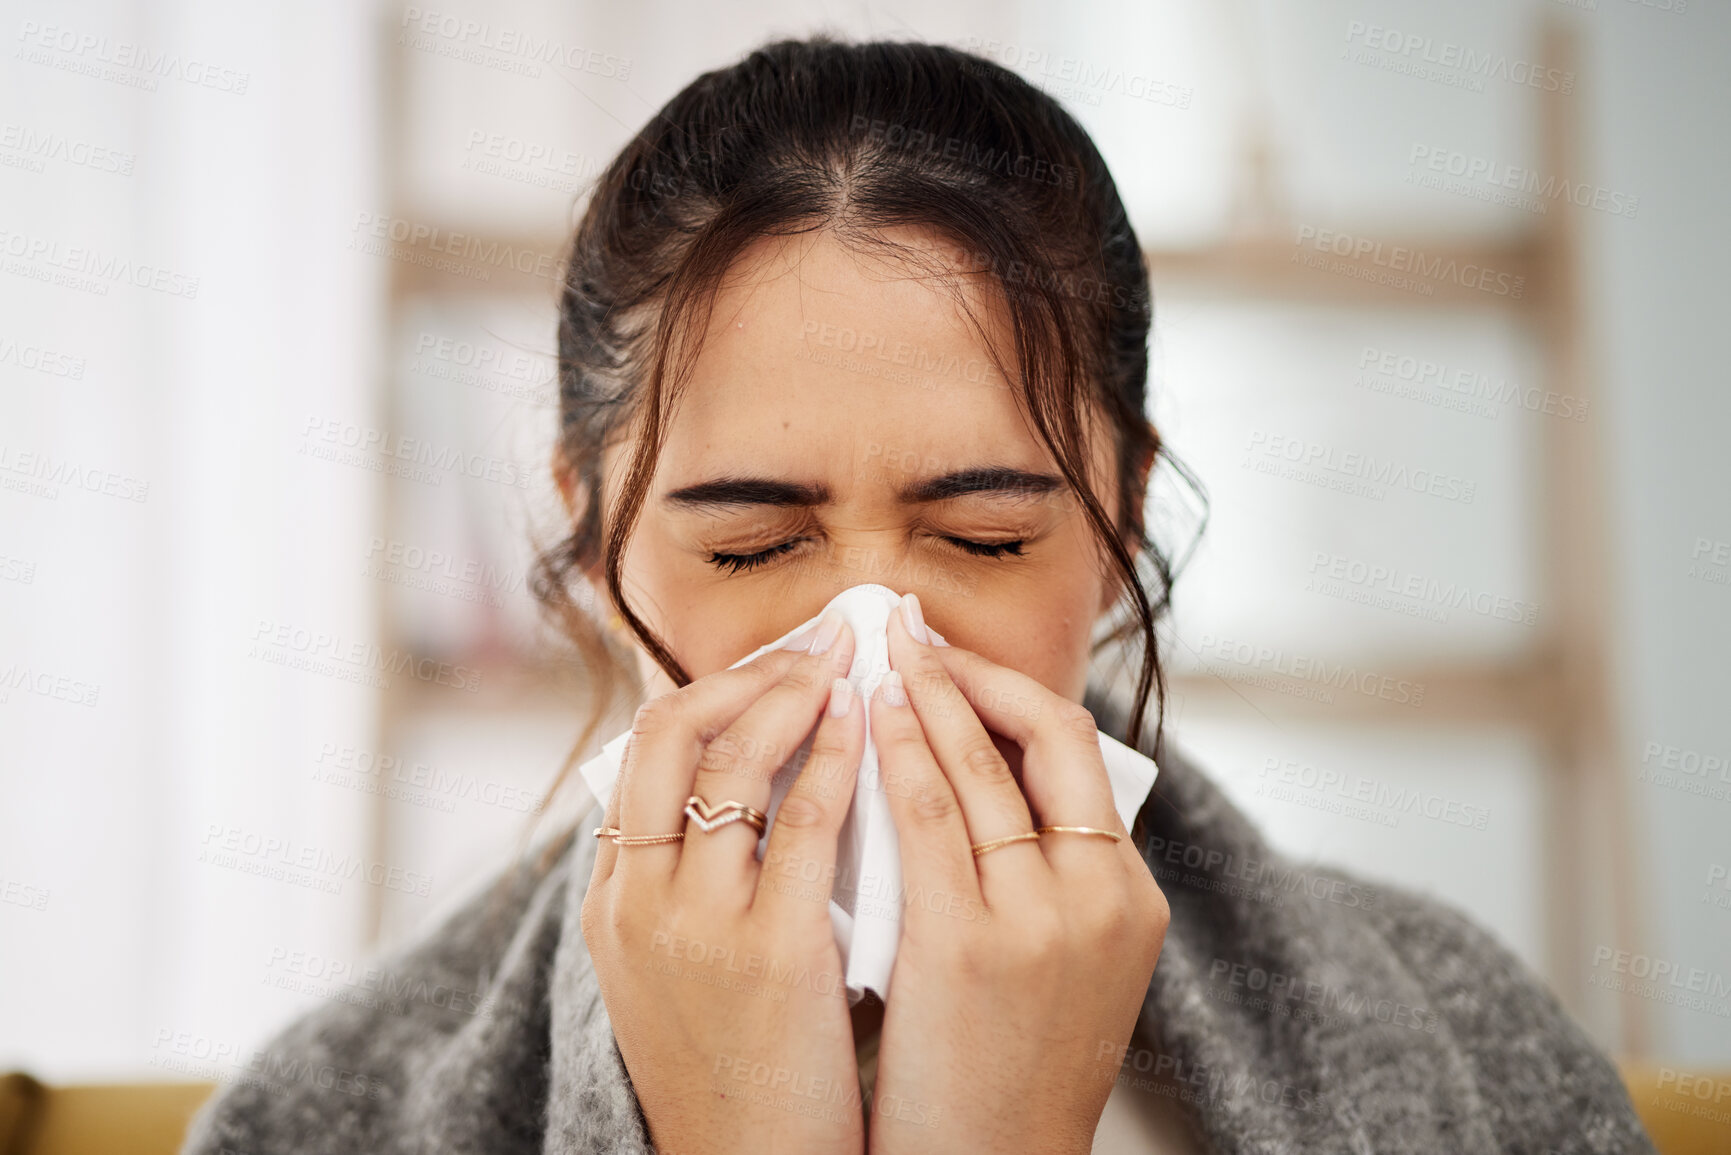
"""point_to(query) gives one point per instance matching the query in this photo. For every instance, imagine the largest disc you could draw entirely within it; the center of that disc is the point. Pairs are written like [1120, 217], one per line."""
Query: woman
[874, 313]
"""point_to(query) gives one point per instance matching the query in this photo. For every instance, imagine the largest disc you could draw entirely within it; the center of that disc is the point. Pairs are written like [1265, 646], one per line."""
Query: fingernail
[840, 698]
[891, 690]
[828, 630]
[937, 638]
[913, 619]
[800, 640]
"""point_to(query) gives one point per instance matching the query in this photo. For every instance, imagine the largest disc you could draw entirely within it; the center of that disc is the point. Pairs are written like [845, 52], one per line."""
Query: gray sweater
[1292, 1010]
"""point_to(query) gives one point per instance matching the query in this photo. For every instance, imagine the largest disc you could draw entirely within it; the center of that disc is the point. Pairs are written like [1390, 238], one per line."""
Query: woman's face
[844, 424]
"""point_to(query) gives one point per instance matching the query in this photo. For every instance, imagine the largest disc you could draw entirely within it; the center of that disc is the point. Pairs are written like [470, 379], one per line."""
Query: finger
[933, 836]
[607, 853]
[668, 736]
[798, 871]
[1063, 774]
[992, 804]
[720, 865]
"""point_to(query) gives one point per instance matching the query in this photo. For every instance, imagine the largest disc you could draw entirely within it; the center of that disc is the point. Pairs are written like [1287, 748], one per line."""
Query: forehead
[814, 344]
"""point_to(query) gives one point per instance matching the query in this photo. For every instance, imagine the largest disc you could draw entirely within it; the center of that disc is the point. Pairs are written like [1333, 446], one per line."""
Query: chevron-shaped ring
[709, 817]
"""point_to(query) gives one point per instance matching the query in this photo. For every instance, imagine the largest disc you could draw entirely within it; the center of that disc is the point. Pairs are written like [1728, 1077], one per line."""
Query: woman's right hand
[721, 974]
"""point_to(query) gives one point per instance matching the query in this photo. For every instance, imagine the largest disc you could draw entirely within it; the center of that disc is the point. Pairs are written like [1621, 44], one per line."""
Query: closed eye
[988, 548]
[741, 562]
[734, 563]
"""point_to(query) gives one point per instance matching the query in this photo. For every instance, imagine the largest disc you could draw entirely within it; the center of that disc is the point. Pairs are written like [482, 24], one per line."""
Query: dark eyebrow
[731, 491]
[748, 491]
[991, 480]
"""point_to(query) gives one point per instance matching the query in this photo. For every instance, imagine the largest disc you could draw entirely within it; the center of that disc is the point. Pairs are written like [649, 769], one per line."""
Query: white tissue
[866, 903]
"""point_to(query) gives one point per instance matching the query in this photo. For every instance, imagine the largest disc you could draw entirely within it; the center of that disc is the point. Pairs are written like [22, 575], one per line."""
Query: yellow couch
[1686, 1113]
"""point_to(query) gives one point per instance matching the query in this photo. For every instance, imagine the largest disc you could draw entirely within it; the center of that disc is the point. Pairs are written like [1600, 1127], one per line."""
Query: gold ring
[635, 839]
[1112, 834]
[710, 817]
[980, 848]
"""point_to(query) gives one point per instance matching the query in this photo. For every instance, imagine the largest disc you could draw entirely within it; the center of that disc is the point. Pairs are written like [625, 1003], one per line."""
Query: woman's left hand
[1021, 972]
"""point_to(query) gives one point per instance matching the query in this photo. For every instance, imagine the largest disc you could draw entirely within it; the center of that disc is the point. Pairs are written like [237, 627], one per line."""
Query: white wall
[1661, 126]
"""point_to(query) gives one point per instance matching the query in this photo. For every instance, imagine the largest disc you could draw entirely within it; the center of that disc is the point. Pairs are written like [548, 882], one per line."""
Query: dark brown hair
[815, 134]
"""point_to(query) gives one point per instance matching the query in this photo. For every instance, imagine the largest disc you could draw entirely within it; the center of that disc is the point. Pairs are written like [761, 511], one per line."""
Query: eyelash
[743, 562]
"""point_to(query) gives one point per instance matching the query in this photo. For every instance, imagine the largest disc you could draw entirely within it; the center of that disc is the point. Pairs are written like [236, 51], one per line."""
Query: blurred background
[1440, 297]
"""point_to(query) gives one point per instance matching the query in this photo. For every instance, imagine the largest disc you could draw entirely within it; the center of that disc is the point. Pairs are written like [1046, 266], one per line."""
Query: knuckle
[983, 762]
[1156, 911]
[827, 763]
[808, 673]
[721, 758]
[656, 715]
[598, 918]
[801, 812]
[932, 808]
[1074, 720]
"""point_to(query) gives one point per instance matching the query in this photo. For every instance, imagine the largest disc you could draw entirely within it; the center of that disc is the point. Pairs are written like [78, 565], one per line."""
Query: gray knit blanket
[1293, 1010]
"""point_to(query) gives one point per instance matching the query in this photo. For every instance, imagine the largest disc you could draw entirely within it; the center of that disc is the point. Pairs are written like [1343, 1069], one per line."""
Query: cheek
[1042, 631]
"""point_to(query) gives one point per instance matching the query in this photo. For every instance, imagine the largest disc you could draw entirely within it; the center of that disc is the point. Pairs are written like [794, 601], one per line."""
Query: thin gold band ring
[634, 839]
[980, 848]
[1112, 834]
